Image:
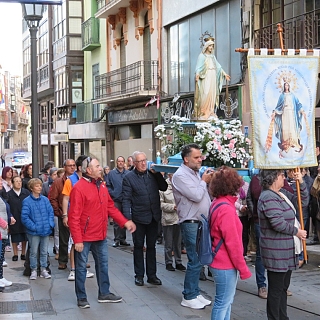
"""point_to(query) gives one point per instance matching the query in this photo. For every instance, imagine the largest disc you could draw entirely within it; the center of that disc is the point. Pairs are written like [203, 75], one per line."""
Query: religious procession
[179, 144]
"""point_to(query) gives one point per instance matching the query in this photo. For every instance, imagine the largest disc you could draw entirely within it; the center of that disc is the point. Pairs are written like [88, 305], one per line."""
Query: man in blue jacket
[141, 203]
[114, 185]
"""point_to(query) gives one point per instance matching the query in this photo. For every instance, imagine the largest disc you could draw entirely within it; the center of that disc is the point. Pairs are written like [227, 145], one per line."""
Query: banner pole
[305, 256]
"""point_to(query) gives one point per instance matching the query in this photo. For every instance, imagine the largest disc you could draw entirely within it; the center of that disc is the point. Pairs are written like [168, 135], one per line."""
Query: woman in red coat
[226, 225]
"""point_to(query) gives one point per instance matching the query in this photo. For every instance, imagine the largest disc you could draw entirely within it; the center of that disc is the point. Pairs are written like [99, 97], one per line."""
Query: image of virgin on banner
[283, 98]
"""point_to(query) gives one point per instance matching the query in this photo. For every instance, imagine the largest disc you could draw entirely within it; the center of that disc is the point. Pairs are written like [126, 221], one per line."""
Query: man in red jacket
[90, 206]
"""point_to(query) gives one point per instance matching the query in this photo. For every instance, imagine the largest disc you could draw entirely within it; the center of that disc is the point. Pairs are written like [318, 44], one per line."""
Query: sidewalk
[49, 299]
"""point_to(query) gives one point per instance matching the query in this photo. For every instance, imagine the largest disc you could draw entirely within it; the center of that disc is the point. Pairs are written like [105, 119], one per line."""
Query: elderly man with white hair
[141, 203]
[209, 79]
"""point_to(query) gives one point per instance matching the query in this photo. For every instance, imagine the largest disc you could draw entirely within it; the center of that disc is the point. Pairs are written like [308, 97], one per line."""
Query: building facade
[130, 75]
[14, 115]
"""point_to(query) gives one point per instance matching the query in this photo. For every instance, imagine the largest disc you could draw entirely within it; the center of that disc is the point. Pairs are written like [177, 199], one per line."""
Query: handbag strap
[209, 222]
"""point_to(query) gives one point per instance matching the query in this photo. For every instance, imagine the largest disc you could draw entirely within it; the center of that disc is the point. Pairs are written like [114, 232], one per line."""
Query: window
[75, 8]
[75, 25]
[60, 89]
[75, 43]
[184, 45]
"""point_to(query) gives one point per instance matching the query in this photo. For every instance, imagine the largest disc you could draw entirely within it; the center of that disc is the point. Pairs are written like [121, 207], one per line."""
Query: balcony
[109, 7]
[88, 112]
[90, 34]
[127, 84]
[23, 120]
[300, 32]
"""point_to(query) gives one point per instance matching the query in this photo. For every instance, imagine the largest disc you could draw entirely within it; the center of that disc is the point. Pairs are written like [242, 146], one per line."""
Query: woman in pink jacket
[225, 224]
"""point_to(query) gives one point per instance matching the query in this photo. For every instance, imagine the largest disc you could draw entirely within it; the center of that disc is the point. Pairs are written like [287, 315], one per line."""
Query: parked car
[19, 159]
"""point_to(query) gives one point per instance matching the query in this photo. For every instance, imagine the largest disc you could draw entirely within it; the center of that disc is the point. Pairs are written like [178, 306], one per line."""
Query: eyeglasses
[70, 165]
[141, 161]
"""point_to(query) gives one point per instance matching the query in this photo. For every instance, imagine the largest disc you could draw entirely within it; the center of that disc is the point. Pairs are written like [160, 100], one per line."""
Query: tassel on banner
[268, 144]
[152, 100]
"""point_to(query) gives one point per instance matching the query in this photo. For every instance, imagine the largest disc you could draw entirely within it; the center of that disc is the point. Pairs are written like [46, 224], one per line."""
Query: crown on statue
[208, 39]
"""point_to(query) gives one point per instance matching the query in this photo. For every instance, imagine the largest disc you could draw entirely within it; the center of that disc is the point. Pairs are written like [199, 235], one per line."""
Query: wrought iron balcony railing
[90, 34]
[87, 111]
[300, 32]
[134, 78]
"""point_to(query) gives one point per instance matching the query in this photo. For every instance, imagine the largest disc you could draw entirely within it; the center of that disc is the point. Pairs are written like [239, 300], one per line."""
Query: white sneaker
[5, 282]
[72, 276]
[203, 300]
[45, 274]
[33, 275]
[8, 249]
[89, 274]
[4, 264]
[193, 303]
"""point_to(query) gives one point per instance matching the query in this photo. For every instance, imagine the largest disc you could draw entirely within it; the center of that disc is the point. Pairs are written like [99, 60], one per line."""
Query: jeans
[149, 233]
[172, 242]
[99, 251]
[277, 295]
[34, 243]
[259, 267]
[119, 233]
[226, 283]
[191, 279]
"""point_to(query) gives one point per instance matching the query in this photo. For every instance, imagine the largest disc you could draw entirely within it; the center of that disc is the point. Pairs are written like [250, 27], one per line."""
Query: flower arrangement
[173, 136]
[221, 141]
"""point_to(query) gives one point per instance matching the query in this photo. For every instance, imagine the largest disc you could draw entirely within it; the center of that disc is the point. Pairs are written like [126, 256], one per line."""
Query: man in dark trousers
[141, 203]
[56, 197]
[114, 185]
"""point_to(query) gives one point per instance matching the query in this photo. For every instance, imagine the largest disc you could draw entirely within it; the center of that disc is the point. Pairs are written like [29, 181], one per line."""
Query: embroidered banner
[283, 98]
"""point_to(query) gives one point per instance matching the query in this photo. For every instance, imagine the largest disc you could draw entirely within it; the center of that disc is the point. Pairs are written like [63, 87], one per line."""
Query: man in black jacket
[141, 203]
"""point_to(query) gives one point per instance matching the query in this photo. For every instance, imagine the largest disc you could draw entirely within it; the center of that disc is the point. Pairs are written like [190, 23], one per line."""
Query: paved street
[50, 299]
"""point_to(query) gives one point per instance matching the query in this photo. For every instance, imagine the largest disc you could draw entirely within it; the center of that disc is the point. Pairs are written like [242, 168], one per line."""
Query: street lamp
[33, 13]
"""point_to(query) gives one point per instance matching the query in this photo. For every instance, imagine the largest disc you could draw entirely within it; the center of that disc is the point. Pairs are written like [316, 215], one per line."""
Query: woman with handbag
[225, 224]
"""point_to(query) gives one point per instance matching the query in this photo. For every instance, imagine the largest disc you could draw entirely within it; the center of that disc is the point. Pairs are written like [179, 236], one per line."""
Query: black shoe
[181, 267]
[156, 281]
[116, 244]
[124, 243]
[23, 257]
[54, 250]
[138, 281]
[14, 258]
[170, 267]
[83, 303]
[202, 276]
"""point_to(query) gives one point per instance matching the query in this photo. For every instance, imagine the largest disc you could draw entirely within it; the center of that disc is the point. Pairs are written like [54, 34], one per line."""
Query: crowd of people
[255, 217]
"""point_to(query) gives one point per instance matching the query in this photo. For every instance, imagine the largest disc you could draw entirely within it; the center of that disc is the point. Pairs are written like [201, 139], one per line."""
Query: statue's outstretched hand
[227, 77]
